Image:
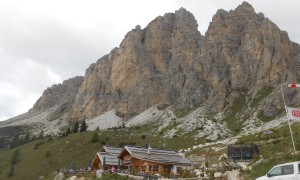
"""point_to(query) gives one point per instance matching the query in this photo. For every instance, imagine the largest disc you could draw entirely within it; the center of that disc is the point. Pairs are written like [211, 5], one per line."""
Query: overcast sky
[45, 42]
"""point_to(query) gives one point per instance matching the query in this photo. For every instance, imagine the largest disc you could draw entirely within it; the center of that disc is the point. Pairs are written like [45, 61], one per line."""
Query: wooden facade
[96, 163]
[106, 158]
[152, 161]
[151, 168]
[140, 160]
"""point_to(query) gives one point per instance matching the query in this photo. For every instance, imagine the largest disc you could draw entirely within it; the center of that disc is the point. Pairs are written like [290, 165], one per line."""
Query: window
[153, 168]
[167, 168]
[282, 170]
[287, 169]
[275, 172]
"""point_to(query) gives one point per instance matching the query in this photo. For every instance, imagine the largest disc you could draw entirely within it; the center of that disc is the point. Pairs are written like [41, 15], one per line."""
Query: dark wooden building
[242, 152]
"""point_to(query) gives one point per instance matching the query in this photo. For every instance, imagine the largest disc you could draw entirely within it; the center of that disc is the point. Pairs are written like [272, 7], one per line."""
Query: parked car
[287, 171]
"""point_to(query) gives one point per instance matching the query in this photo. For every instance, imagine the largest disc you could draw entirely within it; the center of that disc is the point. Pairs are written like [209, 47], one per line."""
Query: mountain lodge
[107, 157]
[153, 161]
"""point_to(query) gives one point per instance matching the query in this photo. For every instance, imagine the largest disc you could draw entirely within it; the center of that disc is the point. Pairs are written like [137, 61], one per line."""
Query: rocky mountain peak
[185, 18]
[170, 64]
[245, 7]
[182, 13]
[182, 10]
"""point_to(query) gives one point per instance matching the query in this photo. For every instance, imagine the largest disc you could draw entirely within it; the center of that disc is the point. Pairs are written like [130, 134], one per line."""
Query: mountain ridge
[169, 64]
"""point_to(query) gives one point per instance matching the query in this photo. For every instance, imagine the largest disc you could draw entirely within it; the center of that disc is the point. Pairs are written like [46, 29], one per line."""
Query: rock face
[58, 94]
[169, 63]
[151, 66]
[245, 51]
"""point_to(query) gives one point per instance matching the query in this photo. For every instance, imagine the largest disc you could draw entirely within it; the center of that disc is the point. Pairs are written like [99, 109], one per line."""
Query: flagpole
[288, 120]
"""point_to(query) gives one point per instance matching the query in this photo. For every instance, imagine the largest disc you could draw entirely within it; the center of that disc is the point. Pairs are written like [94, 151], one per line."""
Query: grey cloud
[54, 44]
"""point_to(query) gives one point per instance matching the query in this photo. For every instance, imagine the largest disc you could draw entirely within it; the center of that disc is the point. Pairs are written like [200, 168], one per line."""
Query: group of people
[113, 170]
[75, 171]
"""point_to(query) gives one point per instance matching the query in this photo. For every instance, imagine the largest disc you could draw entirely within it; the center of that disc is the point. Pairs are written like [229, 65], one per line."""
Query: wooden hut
[152, 161]
[107, 158]
[242, 152]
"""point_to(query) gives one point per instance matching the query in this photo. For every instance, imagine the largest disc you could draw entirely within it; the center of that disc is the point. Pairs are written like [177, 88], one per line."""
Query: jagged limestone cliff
[169, 63]
[58, 94]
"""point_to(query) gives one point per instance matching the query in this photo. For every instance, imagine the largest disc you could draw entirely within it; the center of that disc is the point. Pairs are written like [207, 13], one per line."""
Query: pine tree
[83, 126]
[15, 141]
[2, 142]
[68, 131]
[95, 137]
[15, 158]
[75, 127]
[27, 137]
[33, 138]
[41, 135]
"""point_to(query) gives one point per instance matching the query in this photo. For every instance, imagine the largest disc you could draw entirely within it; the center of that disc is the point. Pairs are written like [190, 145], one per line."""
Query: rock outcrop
[152, 65]
[169, 63]
[58, 94]
[244, 51]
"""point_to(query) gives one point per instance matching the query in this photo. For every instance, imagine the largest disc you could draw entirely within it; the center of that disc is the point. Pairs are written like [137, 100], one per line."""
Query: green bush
[39, 143]
[48, 154]
[15, 158]
[122, 144]
[165, 174]
[186, 174]
[102, 142]
[11, 172]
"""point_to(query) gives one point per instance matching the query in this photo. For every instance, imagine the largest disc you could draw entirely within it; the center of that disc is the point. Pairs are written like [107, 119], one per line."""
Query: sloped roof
[109, 158]
[185, 162]
[112, 150]
[156, 155]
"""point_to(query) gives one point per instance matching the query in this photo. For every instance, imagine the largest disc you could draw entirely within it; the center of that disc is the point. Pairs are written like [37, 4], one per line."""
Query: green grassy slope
[35, 163]
[276, 148]
[42, 157]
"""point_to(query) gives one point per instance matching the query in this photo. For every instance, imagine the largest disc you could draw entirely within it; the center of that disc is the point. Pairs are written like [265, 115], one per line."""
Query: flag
[293, 85]
[293, 113]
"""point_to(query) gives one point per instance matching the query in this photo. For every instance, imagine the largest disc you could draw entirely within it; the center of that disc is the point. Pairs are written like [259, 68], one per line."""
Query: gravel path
[233, 175]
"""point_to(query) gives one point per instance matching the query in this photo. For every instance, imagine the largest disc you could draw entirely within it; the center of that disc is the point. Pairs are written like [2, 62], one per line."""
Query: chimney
[149, 149]
[182, 153]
